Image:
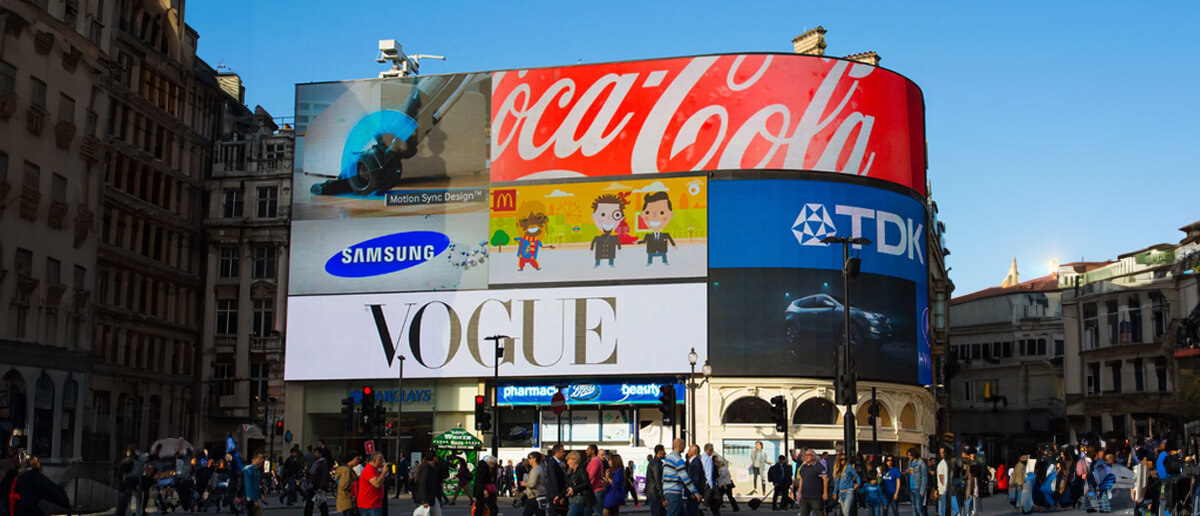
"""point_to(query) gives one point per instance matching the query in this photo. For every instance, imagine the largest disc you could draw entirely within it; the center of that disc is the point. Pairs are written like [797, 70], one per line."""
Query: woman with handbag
[579, 486]
[536, 502]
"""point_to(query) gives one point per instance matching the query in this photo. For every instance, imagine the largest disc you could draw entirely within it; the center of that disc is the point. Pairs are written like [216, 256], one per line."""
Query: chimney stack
[811, 42]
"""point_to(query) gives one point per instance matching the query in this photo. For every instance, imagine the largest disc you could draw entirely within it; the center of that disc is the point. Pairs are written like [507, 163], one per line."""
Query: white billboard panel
[621, 330]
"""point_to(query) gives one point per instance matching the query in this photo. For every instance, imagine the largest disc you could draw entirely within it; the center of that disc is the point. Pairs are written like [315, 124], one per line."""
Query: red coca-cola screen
[751, 111]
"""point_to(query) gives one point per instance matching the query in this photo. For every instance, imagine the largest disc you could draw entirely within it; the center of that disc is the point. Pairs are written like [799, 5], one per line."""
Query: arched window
[42, 440]
[816, 411]
[748, 410]
[12, 398]
[885, 419]
[908, 417]
[129, 420]
[154, 417]
[66, 441]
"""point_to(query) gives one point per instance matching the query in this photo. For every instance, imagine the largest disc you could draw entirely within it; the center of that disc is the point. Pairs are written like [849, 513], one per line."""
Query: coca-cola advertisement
[717, 112]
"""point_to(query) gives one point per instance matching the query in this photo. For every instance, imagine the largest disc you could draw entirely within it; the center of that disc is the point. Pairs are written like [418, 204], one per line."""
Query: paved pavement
[991, 506]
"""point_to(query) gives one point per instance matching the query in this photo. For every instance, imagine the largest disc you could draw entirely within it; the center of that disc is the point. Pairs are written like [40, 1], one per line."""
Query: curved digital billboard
[776, 305]
[716, 112]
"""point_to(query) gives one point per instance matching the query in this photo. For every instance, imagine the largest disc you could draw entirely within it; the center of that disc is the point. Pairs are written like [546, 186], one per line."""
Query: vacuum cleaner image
[372, 160]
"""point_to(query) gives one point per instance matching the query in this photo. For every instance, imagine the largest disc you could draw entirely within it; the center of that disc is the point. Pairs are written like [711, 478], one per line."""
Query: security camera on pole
[845, 388]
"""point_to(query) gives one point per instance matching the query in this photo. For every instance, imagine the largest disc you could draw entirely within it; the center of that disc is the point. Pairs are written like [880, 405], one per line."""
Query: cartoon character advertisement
[599, 230]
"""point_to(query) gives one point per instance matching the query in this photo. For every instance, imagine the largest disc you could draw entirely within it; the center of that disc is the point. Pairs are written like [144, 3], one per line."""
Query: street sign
[558, 403]
[369, 446]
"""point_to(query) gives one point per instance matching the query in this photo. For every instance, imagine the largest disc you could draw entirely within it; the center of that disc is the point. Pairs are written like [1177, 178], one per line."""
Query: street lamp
[399, 410]
[692, 358]
[846, 390]
[705, 370]
[497, 341]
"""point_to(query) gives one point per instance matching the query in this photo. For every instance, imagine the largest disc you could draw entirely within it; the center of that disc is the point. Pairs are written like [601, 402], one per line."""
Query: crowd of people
[677, 482]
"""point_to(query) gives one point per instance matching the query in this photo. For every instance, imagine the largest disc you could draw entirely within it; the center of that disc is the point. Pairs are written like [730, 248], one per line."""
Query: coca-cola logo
[707, 113]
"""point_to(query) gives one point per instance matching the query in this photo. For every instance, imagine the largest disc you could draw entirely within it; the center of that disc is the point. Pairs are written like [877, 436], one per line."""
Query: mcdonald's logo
[504, 200]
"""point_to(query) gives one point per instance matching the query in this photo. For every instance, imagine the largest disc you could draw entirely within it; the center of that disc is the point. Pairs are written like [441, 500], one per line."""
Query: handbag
[421, 510]
[543, 502]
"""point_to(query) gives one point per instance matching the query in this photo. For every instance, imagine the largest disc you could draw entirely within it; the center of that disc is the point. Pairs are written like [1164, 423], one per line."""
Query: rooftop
[1045, 283]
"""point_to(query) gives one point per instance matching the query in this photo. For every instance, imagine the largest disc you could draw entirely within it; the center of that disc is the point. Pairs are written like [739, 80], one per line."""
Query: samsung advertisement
[775, 289]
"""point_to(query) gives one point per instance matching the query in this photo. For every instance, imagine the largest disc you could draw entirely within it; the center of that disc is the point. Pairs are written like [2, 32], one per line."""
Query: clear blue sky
[1060, 130]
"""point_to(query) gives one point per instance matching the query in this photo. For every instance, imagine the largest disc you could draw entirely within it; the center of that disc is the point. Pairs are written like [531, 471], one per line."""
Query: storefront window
[610, 425]
[70, 399]
[518, 427]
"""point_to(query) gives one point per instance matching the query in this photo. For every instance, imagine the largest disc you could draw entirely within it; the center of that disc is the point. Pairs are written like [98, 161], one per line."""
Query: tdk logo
[386, 254]
[894, 235]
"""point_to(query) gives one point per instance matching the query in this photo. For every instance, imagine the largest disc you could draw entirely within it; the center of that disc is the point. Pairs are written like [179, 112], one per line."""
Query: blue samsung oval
[386, 254]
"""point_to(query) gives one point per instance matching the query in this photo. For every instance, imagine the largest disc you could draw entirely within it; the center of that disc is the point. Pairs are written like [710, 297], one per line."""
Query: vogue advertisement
[580, 331]
[717, 112]
[782, 307]
[391, 185]
[599, 230]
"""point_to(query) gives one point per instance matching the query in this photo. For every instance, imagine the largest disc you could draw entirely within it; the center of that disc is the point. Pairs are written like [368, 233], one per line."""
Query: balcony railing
[265, 345]
[225, 341]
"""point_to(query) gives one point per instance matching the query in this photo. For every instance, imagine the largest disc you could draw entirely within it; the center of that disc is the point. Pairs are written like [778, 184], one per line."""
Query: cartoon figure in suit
[657, 213]
[608, 211]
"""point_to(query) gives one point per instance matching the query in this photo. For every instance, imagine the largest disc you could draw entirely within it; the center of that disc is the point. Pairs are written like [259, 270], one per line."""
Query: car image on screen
[820, 317]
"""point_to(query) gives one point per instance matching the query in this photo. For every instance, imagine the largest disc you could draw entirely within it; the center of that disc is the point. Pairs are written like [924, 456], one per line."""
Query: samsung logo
[387, 254]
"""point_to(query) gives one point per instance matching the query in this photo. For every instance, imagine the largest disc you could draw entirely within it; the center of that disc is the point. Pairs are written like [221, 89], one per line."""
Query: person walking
[428, 483]
[725, 482]
[846, 482]
[678, 487]
[947, 491]
[252, 485]
[556, 480]
[780, 476]
[614, 497]
[758, 467]
[918, 480]
[631, 483]
[655, 499]
[534, 486]
[290, 473]
[890, 483]
[370, 486]
[595, 472]
[579, 486]
[403, 470]
[346, 480]
[873, 492]
[318, 477]
[695, 468]
[812, 484]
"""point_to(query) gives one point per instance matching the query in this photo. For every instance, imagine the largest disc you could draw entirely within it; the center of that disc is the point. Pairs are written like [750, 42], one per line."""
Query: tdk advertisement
[779, 287]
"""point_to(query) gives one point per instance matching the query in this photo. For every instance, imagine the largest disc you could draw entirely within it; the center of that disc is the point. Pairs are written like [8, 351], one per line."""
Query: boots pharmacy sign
[633, 329]
[749, 111]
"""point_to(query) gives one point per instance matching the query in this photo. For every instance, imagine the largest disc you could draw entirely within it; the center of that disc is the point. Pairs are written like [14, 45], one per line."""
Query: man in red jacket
[370, 487]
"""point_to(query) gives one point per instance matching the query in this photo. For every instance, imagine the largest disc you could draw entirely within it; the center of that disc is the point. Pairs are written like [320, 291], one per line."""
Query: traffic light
[483, 418]
[348, 413]
[872, 409]
[779, 413]
[278, 427]
[368, 408]
[390, 429]
[666, 404]
[845, 389]
[380, 415]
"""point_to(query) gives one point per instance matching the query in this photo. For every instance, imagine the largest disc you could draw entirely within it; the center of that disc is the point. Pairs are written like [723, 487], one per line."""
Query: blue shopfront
[614, 412]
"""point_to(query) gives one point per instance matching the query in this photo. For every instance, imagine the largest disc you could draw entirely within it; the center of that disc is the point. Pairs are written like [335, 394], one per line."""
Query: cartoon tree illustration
[500, 239]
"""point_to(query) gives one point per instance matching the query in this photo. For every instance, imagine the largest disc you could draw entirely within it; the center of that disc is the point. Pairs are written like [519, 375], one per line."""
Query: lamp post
[692, 358]
[846, 376]
[496, 341]
[399, 411]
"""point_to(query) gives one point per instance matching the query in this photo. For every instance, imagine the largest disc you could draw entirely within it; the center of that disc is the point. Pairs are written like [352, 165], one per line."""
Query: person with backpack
[347, 485]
